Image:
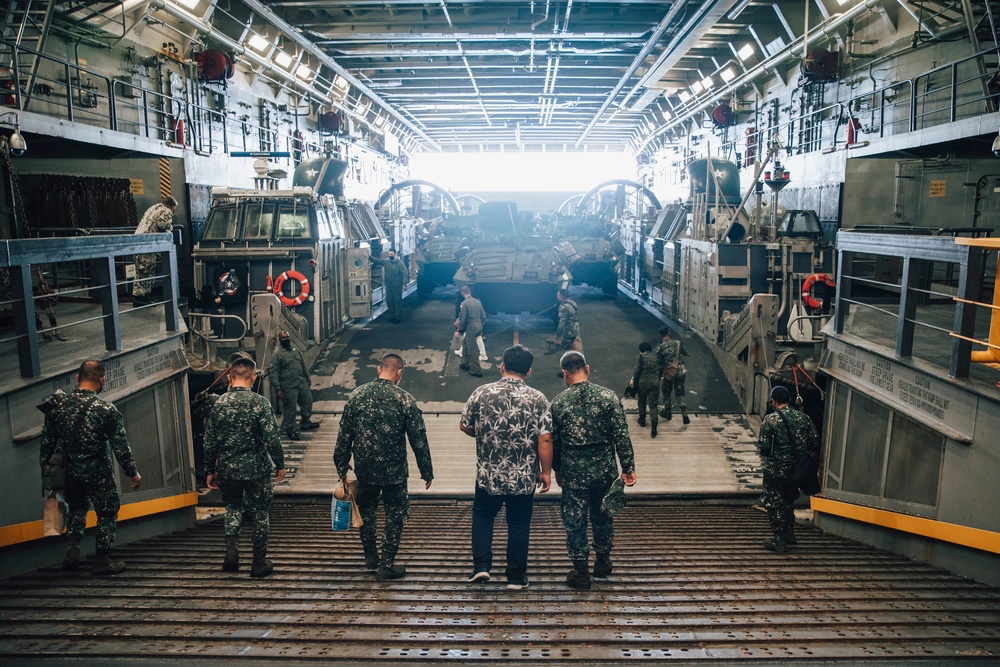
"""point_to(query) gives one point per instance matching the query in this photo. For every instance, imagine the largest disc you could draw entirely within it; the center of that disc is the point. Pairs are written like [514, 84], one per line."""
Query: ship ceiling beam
[637, 62]
[824, 30]
[294, 35]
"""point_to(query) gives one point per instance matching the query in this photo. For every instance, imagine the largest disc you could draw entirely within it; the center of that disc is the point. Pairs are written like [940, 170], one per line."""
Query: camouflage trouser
[777, 496]
[145, 268]
[301, 396]
[677, 387]
[396, 502]
[576, 504]
[101, 491]
[248, 495]
[648, 394]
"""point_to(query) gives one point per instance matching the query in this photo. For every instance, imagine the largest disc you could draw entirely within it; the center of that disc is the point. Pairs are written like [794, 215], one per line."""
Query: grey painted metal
[907, 307]
[965, 314]
[109, 304]
[691, 582]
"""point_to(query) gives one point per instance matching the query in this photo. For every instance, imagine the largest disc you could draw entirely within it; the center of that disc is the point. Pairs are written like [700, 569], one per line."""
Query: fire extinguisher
[179, 131]
[853, 125]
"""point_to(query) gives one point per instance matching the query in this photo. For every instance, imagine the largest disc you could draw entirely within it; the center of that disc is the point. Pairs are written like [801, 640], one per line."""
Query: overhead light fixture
[728, 74]
[283, 60]
[303, 72]
[258, 43]
[15, 143]
[745, 52]
[842, 2]
[190, 4]
[697, 87]
[684, 96]
[707, 82]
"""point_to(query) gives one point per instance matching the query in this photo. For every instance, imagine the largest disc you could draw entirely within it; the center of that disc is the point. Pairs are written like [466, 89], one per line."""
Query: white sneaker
[482, 576]
[516, 587]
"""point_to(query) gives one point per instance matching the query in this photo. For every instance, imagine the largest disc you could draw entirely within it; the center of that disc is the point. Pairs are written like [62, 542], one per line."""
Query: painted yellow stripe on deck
[974, 538]
[32, 530]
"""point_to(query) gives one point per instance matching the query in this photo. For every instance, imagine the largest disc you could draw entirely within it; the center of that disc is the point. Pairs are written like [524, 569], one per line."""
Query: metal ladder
[27, 25]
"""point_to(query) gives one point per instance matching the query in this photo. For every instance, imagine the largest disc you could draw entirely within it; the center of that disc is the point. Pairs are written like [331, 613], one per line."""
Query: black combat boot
[790, 537]
[666, 414]
[579, 577]
[104, 565]
[602, 566]
[232, 562]
[642, 421]
[776, 544]
[685, 418]
[72, 559]
[652, 431]
[390, 571]
[371, 555]
[262, 566]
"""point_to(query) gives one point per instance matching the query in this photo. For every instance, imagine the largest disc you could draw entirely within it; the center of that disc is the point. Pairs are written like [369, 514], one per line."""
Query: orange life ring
[303, 286]
[807, 285]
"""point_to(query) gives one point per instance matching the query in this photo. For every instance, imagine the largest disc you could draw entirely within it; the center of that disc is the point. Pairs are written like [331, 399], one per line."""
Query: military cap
[614, 500]
[238, 356]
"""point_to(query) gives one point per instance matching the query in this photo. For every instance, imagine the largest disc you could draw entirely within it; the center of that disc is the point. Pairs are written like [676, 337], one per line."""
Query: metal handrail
[897, 96]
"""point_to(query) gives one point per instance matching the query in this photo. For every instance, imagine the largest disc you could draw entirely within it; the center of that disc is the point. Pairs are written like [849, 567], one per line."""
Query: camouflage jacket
[507, 417]
[288, 369]
[569, 327]
[647, 369]
[157, 219]
[588, 429]
[772, 442]
[377, 420]
[102, 426]
[396, 274]
[241, 437]
[669, 350]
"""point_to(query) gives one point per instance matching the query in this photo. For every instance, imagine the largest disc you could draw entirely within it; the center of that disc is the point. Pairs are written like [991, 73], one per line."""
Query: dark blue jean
[484, 512]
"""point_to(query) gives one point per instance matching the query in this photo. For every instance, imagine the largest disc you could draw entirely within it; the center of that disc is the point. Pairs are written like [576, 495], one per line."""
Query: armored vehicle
[511, 268]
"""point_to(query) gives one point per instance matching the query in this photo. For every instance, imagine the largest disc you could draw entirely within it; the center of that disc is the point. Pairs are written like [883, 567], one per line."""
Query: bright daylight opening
[550, 172]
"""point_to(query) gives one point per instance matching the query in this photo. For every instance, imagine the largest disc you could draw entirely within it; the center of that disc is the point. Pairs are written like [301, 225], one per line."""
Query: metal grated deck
[691, 583]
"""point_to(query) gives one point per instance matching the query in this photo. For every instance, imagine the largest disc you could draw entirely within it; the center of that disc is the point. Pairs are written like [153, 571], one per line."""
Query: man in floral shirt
[512, 427]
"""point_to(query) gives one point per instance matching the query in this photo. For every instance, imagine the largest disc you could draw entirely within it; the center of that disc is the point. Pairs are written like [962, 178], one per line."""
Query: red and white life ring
[807, 285]
[303, 288]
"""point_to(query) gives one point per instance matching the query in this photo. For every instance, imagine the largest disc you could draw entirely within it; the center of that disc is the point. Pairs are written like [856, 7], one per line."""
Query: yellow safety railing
[992, 354]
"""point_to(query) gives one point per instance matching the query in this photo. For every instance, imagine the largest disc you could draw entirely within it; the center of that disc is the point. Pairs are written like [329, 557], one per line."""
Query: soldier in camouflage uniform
[377, 420]
[241, 441]
[568, 330]
[667, 352]
[159, 218]
[588, 430]
[646, 381]
[90, 476]
[291, 385]
[778, 491]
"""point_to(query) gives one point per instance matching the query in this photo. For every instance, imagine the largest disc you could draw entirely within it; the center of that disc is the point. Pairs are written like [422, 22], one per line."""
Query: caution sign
[937, 188]
[136, 187]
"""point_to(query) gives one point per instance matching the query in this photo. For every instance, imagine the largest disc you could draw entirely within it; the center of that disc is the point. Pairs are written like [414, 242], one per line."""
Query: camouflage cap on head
[238, 356]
